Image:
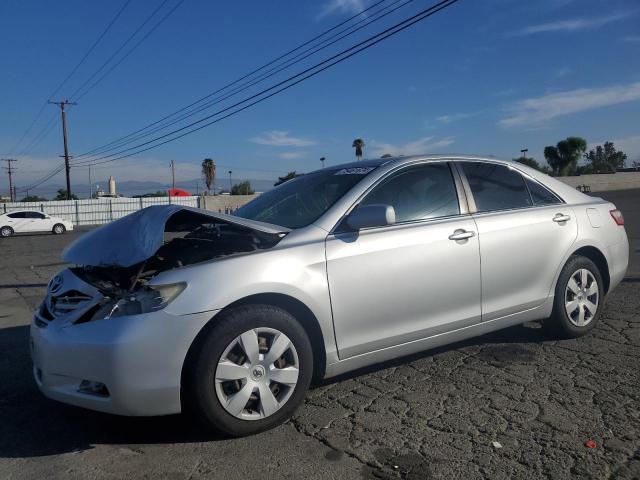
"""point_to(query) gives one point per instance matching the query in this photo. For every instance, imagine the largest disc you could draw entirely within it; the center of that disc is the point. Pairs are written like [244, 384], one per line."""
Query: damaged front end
[116, 262]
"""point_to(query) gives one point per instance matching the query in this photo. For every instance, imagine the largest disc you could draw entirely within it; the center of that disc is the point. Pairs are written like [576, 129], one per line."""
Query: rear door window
[541, 195]
[496, 187]
[17, 215]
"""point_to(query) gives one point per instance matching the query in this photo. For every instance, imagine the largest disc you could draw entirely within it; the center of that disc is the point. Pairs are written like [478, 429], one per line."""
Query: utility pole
[230, 187]
[10, 171]
[322, 159]
[173, 175]
[524, 153]
[90, 186]
[64, 138]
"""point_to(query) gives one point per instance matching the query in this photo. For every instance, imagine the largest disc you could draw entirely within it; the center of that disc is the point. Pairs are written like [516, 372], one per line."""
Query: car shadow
[34, 426]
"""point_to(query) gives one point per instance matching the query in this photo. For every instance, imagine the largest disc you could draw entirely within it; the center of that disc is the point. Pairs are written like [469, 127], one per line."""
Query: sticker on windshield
[355, 171]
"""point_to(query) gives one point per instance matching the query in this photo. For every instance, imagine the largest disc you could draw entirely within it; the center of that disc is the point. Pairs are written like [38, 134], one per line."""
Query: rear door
[19, 222]
[525, 232]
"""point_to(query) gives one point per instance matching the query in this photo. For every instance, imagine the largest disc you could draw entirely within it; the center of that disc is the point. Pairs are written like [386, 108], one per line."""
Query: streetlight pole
[524, 153]
[230, 187]
[322, 159]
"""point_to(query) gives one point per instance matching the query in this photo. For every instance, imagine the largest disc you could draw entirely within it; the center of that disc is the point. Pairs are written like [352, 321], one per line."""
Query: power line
[75, 96]
[10, 171]
[73, 71]
[286, 84]
[283, 85]
[244, 86]
[67, 168]
[209, 95]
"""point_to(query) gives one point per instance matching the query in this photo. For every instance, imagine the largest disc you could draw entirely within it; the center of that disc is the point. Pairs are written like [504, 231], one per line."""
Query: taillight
[617, 216]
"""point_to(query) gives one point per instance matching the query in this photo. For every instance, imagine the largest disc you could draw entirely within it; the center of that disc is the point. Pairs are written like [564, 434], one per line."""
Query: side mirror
[371, 216]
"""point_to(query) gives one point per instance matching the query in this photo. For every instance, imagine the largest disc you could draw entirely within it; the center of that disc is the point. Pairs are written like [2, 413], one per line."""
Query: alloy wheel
[581, 297]
[257, 373]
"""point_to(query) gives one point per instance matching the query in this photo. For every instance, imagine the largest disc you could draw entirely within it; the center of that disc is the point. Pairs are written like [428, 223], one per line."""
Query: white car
[28, 221]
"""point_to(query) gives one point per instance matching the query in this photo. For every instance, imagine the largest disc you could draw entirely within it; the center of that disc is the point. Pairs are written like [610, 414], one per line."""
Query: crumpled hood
[138, 236]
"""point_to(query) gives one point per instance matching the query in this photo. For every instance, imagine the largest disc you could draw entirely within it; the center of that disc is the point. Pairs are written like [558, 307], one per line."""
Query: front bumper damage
[101, 339]
[138, 358]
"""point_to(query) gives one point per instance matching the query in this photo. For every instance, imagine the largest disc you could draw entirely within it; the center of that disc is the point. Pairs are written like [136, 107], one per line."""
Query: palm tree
[564, 157]
[358, 144]
[209, 173]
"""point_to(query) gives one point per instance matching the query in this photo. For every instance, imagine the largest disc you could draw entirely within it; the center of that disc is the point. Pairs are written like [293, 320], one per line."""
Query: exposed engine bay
[188, 236]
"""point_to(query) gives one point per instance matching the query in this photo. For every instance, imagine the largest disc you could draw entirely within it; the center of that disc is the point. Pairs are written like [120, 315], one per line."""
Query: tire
[221, 403]
[579, 290]
[6, 231]
[58, 229]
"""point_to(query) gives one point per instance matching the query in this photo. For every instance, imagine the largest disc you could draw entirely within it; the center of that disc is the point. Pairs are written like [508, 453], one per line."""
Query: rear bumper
[618, 261]
[138, 358]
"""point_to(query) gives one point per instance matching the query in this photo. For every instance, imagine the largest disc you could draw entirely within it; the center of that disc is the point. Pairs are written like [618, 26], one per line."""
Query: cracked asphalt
[433, 415]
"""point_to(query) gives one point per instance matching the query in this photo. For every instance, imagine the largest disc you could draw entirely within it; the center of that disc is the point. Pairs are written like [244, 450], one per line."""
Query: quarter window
[541, 195]
[496, 187]
[418, 193]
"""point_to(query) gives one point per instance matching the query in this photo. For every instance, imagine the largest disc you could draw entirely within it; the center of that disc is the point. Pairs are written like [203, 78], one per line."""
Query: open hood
[139, 236]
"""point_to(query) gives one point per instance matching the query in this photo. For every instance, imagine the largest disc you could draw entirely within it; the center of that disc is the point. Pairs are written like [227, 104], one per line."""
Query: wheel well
[304, 315]
[596, 256]
[295, 307]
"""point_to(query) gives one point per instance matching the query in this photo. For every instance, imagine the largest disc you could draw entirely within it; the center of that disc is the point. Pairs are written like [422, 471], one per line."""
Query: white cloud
[421, 145]
[573, 25]
[291, 155]
[535, 111]
[281, 138]
[342, 7]
[632, 39]
[446, 119]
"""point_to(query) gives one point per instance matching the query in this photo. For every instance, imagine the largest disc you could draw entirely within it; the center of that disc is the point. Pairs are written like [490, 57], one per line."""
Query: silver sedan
[233, 316]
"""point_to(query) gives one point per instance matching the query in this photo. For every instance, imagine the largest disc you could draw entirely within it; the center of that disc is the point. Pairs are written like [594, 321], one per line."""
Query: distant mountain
[129, 188]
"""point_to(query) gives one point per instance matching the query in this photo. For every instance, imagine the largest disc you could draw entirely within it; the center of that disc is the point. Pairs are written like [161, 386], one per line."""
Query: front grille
[57, 305]
[67, 302]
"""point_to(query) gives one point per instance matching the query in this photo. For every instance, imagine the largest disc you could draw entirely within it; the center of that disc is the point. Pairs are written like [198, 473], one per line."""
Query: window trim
[457, 181]
[472, 203]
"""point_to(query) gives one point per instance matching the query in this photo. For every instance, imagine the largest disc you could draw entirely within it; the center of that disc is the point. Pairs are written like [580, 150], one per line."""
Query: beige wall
[603, 182]
[225, 203]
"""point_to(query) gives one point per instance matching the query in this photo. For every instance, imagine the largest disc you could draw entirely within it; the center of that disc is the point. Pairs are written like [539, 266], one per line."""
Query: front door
[411, 280]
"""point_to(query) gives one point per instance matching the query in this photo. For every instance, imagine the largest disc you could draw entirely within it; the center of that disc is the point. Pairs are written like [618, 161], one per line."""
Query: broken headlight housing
[149, 298]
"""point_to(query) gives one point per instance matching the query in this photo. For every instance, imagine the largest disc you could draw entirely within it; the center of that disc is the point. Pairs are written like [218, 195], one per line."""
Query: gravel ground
[434, 415]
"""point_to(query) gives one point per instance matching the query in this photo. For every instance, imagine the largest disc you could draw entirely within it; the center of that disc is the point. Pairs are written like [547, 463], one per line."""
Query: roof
[402, 159]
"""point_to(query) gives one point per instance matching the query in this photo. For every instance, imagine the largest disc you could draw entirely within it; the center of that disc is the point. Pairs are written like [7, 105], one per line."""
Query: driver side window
[418, 193]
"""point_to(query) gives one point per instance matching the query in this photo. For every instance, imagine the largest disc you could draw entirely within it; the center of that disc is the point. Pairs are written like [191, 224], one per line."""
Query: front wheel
[6, 231]
[59, 229]
[249, 370]
[578, 299]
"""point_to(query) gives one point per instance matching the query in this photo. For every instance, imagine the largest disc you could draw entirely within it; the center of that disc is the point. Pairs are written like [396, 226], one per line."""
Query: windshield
[302, 200]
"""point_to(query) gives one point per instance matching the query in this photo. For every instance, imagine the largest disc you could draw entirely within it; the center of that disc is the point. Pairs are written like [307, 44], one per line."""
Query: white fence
[97, 211]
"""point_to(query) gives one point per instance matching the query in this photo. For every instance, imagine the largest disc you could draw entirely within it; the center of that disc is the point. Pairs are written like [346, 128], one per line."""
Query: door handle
[461, 234]
[559, 218]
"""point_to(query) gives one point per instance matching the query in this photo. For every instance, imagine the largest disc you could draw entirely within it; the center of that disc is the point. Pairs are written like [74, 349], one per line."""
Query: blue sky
[483, 76]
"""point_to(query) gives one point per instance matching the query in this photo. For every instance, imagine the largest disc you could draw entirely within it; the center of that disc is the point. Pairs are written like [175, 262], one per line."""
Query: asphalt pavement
[511, 404]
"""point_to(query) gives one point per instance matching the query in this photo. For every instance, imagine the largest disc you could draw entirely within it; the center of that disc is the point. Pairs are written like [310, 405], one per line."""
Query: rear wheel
[6, 231]
[58, 229]
[578, 299]
[250, 370]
